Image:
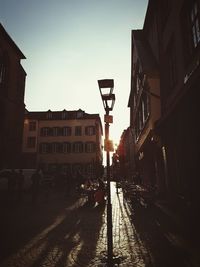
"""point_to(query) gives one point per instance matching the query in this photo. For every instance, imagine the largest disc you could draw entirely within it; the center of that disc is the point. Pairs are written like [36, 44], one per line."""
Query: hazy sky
[69, 45]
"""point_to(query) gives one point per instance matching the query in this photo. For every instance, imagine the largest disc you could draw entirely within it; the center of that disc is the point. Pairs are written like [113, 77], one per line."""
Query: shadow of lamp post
[108, 98]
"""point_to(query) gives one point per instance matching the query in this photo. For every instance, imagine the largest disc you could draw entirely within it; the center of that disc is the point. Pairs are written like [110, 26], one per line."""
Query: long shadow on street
[53, 233]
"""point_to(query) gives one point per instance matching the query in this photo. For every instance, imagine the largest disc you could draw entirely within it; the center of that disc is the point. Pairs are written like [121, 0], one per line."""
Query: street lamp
[108, 98]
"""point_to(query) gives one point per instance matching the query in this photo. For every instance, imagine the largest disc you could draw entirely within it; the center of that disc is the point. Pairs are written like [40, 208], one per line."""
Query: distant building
[68, 141]
[124, 155]
[12, 87]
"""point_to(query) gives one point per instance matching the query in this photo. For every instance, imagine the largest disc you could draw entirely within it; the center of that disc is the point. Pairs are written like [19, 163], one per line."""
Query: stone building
[169, 44]
[68, 141]
[144, 103]
[12, 87]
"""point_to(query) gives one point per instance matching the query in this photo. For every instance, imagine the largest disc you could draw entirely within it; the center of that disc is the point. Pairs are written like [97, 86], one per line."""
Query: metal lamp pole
[109, 205]
[108, 102]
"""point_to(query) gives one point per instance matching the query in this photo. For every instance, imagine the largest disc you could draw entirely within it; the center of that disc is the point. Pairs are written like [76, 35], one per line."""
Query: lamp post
[108, 98]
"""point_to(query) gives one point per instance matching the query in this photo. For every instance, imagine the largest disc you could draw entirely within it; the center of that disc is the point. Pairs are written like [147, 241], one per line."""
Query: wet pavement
[59, 232]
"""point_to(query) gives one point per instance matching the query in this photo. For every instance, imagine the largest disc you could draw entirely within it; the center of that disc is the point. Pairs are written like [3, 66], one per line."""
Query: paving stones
[78, 237]
[75, 235]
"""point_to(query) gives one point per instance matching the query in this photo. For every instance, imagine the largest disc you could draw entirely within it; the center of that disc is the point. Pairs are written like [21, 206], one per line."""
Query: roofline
[12, 43]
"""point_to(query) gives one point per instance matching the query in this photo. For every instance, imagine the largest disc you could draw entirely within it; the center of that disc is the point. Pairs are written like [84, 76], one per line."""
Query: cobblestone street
[68, 233]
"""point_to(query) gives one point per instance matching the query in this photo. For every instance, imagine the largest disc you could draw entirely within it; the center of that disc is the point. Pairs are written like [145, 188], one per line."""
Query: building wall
[154, 113]
[71, 157]
[144, 100]
[12, 87]
[52, 158]
[167, 148]
[178, 127]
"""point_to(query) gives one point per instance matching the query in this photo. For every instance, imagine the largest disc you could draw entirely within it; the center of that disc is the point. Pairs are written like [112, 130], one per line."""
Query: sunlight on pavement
[126, 242]
[78, 237]
[36, 246]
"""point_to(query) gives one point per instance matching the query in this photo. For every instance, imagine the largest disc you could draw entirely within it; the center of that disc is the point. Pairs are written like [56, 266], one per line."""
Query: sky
[69, 45]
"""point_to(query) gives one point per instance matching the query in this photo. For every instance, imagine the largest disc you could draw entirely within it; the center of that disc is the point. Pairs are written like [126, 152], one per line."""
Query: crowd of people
[43, 184]
[95, 191]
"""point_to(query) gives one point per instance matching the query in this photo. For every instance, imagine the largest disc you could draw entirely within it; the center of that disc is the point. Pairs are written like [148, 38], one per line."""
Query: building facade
[179, 34]
[12, 87]
[172, 33]
[69, 141]
[144, 103]
[124, 156]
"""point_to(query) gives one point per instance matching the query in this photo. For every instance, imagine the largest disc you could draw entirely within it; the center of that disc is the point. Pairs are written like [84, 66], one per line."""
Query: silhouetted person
[100, 192]
[101, 184]
[36, 177]
[88, 187]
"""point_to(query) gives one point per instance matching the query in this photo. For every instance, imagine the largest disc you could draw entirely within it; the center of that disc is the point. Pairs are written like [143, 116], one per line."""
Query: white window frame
[90, 147]
[66, 147]
[90, 130]
[78, 147]
[67, 131]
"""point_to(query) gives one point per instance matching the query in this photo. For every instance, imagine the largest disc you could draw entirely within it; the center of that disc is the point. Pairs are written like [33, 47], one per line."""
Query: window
[90, 147]
[78, 130]
[137, 83]
[56, 148]
[79, 114]
[45, 148]
[90, 130]
[56, 131]
[145, 106]
[31, 142]
[78, 147]
[67, 131]
[32, 125]
[2, 71]
[137, 130]
[45, 131]
[49, 115]
[194, 20]
[66, 147]
[64, 114]
[190, 22]
[140, 117]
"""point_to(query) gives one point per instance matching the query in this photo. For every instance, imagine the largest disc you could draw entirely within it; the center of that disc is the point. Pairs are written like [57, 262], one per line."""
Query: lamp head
[108, 101]
[106, 87]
